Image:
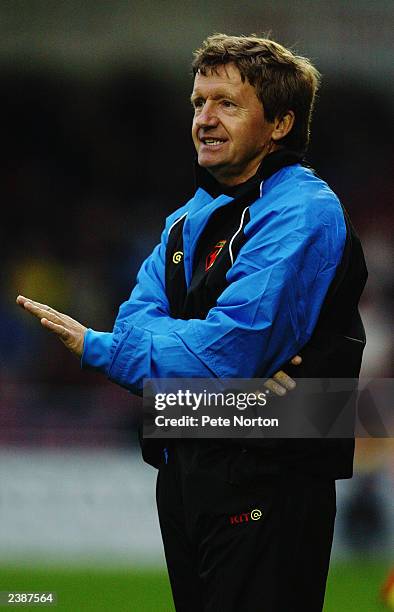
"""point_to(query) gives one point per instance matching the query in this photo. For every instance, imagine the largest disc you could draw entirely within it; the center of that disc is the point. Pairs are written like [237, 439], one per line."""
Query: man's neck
[269, 165]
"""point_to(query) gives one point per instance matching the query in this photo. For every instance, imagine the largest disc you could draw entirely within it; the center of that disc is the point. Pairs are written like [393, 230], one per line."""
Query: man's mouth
[211, 142]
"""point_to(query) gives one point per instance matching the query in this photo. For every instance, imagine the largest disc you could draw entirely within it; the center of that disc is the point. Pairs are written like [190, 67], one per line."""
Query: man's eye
[228, 103]
[199, 103]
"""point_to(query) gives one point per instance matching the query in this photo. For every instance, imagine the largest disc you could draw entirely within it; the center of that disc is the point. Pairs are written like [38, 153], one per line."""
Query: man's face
[229, 131]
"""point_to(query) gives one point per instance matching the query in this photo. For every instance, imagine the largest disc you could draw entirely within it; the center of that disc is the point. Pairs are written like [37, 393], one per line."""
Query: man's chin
[207, 161]
[214, 169]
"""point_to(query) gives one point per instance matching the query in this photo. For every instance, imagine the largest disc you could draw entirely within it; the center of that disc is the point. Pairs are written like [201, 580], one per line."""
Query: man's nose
[207, 116]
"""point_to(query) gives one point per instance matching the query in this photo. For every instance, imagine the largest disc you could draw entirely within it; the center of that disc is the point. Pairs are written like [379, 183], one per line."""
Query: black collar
[269, 165]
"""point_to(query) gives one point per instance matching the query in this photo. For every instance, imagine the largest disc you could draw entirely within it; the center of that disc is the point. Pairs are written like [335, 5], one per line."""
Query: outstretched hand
[72, 334]
[69, 331]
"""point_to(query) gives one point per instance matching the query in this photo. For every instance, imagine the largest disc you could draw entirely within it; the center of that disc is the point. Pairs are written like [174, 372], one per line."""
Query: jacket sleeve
[266, 314]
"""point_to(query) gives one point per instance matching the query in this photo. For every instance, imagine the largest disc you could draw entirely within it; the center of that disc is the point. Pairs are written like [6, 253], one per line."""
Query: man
[261, 264]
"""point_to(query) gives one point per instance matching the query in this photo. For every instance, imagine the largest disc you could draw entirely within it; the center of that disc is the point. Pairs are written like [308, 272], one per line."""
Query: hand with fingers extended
[281, 382]
[69, 331]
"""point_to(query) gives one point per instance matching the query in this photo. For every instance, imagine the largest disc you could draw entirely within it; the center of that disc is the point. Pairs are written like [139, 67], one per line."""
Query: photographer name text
[208, 421]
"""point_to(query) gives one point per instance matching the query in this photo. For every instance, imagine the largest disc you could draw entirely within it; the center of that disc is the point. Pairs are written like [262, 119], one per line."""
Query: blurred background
[97, 152]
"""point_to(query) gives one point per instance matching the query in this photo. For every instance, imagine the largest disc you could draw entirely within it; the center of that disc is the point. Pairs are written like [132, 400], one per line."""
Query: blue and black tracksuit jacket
[242, 281]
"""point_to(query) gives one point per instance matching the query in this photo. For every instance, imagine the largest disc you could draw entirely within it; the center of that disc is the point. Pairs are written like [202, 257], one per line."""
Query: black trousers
[238, 540]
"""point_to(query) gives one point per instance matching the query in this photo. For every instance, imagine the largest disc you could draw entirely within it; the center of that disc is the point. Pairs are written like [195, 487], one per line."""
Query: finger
[23, 301]
[275, 387]
[46, 310]
[40, 313]
[58, 329]
[284, 379]
[36, 310]
[44, 307]
[297, 360]
[43, 310]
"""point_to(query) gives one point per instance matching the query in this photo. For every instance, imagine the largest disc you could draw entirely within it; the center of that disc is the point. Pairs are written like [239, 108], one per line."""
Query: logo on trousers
[245, 517]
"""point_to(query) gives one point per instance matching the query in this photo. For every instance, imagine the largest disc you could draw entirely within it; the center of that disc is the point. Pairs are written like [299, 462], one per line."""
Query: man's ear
[283, 125]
